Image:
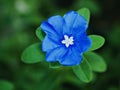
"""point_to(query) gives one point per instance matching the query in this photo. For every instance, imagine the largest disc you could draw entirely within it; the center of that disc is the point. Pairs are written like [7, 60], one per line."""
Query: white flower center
[67, 41]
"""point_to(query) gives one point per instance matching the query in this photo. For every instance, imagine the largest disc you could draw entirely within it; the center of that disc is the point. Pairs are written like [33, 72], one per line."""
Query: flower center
[67, 41]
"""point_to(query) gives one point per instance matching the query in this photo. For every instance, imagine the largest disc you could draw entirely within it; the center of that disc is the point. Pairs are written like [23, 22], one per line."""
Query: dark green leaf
[83, 71]
[97, 63]
[40, 34]
[85, 13]
[33, 54]
[97, 42]
[54, 65]
[5, 85]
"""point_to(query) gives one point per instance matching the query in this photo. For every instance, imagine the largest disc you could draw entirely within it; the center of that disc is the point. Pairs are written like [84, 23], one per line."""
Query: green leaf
[54, 65]
[85, 13]
[5, 85]
[83, 71]
[97, 63]
[33, 54]
[97, 42]
[40, 34]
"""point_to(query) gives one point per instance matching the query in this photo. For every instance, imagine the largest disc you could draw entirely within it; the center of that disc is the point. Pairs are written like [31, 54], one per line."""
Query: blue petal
[55, 54]
[83, 42]
[75, 23]
[57, 22]
[72, 57]
[48, 44]
[49, 30]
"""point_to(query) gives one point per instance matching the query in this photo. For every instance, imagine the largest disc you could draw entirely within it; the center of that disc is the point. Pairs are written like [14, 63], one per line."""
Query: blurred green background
[18, 22]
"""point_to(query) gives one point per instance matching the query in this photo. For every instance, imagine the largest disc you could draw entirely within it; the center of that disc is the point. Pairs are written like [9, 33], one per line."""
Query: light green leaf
[5, 85]
[97, 42]
[40, 34]
[83, 71]
[33, 54]
[85, 13]
[54, 65]
[97, 63]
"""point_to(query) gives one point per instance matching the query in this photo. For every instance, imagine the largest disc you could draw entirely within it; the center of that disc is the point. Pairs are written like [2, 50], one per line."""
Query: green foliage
[17, 32]
[83, 71]
[91, 62]
[85, 13]
[93, 6]
[40, 34]
[97, 42]
[33, 54]
[96, 62]
[54, 65]
[5, 85]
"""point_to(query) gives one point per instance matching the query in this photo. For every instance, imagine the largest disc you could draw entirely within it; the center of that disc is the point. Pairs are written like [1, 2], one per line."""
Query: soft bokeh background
[18, 22]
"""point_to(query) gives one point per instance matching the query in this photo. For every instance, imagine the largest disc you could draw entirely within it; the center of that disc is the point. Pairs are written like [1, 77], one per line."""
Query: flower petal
[49, 30]
[75, 23]
[56, 53]
[72, 57]
[83, 42]
[57, 22]
[48, 44]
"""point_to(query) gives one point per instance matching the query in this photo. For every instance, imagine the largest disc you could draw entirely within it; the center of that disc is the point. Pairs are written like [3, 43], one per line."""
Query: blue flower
[65, 39]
